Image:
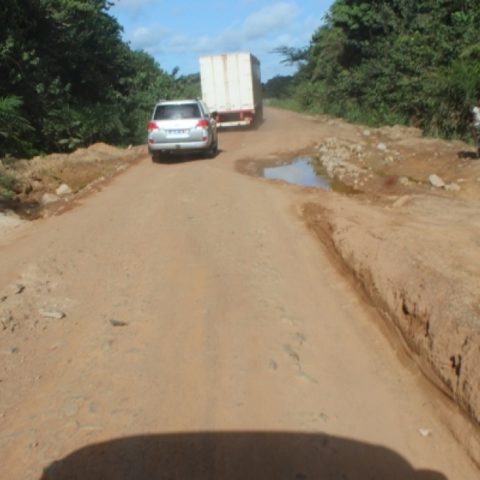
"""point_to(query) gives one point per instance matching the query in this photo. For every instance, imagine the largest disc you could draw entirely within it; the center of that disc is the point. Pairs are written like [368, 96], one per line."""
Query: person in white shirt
[476, 126]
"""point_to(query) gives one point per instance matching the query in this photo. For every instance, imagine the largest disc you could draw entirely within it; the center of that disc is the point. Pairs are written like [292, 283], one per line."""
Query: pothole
[305, 172]
[299, 172]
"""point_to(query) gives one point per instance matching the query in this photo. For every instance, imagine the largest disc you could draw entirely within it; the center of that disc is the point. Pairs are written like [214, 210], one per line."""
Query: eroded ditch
[371, 241]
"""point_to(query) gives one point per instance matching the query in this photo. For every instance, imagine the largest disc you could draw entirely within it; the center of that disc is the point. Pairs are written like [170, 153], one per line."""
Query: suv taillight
[151, 126]
[203, 123]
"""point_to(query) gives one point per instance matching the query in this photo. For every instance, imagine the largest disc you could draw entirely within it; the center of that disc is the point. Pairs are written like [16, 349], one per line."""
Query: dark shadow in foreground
[235, 456]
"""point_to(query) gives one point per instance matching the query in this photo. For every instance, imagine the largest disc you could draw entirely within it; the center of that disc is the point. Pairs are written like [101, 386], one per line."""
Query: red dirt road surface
[185, 323]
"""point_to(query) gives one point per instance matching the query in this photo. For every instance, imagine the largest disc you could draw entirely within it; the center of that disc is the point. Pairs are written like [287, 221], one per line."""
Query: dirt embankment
[413, 248]
[422, 276]
[409, 235]
[45, 184]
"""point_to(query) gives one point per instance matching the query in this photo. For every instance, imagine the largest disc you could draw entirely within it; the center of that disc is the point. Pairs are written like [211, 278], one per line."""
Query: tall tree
[396, 61]
[68, 78]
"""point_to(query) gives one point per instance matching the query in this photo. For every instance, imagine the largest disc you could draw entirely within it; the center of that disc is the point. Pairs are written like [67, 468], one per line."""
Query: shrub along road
[184, 323]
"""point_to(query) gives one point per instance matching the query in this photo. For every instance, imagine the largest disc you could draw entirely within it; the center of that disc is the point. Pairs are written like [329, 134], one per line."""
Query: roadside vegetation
[67, 79]
[278, 92]
[381, 62]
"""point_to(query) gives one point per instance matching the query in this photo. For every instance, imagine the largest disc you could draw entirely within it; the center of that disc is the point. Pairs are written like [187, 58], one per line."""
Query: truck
[232, 89]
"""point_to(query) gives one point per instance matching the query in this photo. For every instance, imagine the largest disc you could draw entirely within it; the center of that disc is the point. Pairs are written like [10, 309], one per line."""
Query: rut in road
[206, 336]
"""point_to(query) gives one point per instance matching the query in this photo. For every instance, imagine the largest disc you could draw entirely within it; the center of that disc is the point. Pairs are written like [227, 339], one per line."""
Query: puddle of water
[299, 172]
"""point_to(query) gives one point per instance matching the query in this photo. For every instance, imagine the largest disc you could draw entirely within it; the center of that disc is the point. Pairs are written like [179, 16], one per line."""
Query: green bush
[7, 186]
[67, 79]
[14, 127]
[396, 61]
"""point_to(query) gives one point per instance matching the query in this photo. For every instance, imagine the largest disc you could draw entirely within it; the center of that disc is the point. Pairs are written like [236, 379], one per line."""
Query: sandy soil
[184, 322]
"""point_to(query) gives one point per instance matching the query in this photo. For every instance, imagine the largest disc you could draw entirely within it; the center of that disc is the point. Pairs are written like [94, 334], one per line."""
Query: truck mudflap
[238, 118]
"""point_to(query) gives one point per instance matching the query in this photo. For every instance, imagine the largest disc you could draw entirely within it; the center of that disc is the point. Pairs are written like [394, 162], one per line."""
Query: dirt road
[183, 323]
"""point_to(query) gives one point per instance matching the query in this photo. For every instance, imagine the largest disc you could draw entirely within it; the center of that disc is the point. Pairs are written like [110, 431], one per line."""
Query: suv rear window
[177, 112]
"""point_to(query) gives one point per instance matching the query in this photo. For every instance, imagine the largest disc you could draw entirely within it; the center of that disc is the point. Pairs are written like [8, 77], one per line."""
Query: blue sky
[176, 33]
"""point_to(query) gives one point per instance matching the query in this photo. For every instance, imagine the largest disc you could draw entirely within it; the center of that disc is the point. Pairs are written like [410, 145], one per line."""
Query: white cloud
[257, 27]
[133, 4]
[280, 23]
[132, 11]
[269, 19]
[149, 38]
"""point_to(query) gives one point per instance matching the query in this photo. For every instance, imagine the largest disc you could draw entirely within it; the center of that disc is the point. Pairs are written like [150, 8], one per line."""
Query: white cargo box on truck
[231, 86]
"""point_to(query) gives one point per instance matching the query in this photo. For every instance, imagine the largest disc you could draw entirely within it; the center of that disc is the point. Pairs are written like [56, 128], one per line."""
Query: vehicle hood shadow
[235, 456]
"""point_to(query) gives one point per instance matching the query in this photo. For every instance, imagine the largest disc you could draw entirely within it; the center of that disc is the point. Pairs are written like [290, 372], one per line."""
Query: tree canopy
[278, 86]
[67, 78]
[396, 61]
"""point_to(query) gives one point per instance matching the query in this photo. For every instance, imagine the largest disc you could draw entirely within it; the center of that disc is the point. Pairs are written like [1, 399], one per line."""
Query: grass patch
[7, 186]
[294, 105]
[285, 103]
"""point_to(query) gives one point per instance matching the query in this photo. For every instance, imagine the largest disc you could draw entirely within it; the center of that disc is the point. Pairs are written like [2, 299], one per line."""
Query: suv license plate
[177, 133]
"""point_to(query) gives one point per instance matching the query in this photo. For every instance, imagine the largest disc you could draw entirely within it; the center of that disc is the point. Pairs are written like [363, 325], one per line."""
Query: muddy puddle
[300, 171]
[304, 171]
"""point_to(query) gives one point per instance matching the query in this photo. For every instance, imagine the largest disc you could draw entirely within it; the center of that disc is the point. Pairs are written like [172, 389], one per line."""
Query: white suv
[182, 126]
